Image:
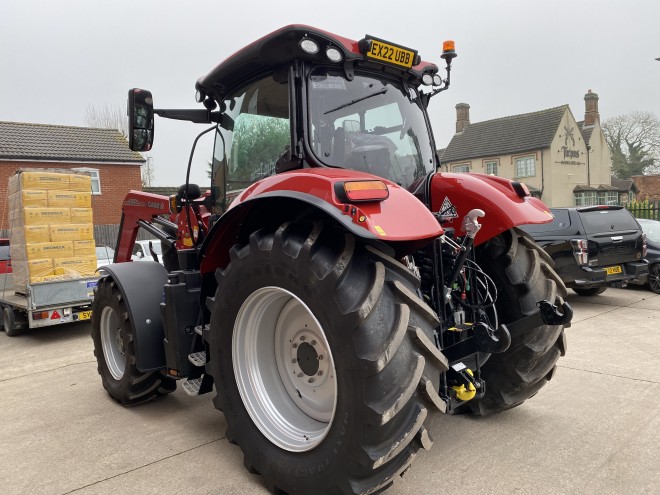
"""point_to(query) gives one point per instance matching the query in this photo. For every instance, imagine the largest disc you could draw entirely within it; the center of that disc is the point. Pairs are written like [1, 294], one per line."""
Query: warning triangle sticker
[447, 210]
[55, 315]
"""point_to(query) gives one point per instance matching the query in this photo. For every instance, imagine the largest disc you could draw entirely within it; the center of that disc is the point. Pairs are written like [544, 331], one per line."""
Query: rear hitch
[546, 314]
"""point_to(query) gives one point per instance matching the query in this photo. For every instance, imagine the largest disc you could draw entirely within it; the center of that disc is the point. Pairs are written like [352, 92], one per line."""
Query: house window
[96, 178]
[526, 166]
[608, 198]
[465, 167]
[491, 168]
[586, 198]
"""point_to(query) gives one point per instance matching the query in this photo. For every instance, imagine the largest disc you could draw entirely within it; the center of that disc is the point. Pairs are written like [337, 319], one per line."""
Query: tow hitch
[546, 314]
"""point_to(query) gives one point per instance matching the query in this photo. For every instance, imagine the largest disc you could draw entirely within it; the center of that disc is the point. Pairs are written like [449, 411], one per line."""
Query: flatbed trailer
[45, 304]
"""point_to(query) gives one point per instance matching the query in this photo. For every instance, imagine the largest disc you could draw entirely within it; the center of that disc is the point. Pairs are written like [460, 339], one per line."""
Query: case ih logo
[133, 202]
[153, 204]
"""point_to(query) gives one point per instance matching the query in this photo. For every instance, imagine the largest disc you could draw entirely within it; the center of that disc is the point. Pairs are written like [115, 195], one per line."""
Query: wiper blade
[357, 100]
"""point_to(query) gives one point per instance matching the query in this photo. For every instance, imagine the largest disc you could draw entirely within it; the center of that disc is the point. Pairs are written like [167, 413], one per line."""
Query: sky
[59, 57]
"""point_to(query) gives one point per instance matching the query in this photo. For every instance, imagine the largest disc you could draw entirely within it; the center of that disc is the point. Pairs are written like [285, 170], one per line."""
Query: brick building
[648, 187]
[101, 153]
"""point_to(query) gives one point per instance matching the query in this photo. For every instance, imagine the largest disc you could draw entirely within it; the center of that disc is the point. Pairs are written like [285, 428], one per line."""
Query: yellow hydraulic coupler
[463, 393]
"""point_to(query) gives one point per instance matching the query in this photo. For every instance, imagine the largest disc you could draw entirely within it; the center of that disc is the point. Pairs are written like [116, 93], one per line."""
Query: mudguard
[401, 220]
[453, 195]
[141, 284]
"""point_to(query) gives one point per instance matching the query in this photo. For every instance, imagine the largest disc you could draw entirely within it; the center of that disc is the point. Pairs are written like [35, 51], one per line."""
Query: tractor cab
[301, 97]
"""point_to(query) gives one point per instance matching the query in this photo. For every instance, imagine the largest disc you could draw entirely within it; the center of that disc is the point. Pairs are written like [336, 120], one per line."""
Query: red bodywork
[503, 206]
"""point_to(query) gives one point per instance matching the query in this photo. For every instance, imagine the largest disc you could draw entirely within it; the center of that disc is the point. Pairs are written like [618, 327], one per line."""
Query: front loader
[330, 286]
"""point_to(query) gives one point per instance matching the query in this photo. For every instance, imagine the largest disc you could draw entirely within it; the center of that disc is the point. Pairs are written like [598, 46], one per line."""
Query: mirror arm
[196, 116]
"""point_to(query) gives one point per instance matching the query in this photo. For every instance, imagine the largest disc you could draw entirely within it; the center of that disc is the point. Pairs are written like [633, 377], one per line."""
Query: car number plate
[613, 270]
[84, 315]
[387, 52]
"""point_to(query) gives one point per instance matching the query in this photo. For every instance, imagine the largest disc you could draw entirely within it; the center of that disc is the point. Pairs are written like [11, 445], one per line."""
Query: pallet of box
[52, 233]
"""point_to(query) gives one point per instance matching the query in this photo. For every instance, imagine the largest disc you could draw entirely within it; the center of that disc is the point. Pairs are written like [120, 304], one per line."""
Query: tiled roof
[585, 131]
[162, 190]
[624, 185]
[25, 141]
[506, 135]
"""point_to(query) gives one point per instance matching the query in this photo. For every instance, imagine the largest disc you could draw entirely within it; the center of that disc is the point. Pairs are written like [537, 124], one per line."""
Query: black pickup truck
[593, 247]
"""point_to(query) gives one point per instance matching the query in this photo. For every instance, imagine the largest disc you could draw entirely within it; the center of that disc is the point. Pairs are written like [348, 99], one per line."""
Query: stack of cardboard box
[52, 232]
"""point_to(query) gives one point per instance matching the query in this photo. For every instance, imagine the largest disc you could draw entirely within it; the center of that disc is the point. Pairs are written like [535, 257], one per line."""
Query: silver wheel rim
[654, 278]
[112, 341]
[284, 369]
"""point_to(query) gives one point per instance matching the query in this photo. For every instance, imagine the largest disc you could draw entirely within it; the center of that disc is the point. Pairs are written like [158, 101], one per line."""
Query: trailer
[45, 304]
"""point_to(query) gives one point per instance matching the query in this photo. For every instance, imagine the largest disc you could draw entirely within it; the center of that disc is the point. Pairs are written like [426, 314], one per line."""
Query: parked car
[593, 247]
[142, 250]
[5, 259]
[652, 230]
[104, 255]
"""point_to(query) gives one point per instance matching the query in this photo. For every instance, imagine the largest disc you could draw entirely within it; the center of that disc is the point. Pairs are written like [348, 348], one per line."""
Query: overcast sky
[57, 57]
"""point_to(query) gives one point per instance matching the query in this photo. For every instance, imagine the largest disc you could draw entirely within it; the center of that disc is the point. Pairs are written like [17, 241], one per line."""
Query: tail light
[581, 251]
[644, 246]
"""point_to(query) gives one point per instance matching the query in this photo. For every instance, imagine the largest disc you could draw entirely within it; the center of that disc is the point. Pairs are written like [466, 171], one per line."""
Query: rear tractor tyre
[523, 274]
[323, 359]
[113, 335]
[591, 291]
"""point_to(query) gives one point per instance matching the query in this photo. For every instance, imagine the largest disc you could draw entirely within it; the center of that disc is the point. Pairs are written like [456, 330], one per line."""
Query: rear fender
[141, 285]
[455, 194]
[401, 221]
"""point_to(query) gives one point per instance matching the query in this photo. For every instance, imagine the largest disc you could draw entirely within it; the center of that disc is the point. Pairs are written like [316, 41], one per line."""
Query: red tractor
[330, 285]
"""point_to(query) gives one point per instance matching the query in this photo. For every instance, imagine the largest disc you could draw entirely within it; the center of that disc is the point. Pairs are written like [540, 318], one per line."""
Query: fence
[645, 209]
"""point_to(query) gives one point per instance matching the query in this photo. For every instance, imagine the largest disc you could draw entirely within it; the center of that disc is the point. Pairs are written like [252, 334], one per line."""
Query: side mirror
[140, 120]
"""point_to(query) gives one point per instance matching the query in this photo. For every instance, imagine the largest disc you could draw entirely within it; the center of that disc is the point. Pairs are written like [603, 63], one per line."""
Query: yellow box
[71, 232]
[32, 233]
[85, 266]
[44, 180]
[81, 215]
[33, 197]
[38, 269]
[84, 248]
[69, 199]
[46, 216]
[52, 250]
[80, 182]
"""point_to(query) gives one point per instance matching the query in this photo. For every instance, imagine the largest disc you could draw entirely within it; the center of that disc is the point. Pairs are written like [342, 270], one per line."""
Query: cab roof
[281, 47]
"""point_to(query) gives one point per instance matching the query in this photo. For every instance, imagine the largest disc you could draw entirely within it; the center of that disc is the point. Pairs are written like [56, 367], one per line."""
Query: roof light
[333, 54]
[310, 46]
[427, 79]
[448, 50]
[366, 190]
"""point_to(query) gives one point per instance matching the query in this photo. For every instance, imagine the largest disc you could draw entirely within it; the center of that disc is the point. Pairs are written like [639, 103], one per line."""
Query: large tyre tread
[526, 276]
[385, 311]
[135, 387]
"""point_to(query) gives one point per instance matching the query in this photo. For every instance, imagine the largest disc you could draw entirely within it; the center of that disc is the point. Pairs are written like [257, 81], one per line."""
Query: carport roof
[46, 142]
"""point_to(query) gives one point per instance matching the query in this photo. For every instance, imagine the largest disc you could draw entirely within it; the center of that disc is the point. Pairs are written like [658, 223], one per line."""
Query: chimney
[462, 116]
[591, 115]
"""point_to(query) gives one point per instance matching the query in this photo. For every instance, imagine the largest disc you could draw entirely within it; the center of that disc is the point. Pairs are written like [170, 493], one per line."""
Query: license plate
[389, 53]
[613, 270]
[83, 315]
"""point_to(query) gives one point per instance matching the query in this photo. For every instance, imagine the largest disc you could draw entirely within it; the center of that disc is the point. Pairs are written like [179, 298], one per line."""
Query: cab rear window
[607, 221]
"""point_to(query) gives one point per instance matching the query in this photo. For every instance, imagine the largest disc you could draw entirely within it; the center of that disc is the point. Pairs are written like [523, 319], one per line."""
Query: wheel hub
[284, 369]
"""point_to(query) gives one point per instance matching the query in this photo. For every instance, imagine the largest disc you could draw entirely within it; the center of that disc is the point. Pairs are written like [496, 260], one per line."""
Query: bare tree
[634, 142]
[148, 173]
[107, 117]
[113, 117]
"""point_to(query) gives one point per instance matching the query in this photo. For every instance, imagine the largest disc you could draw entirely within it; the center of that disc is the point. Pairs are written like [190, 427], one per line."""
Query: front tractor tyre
[523, 274]
[113, 334]
[323, 359]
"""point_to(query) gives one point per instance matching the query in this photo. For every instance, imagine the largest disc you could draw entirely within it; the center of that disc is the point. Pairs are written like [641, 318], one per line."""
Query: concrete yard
[594, 429]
